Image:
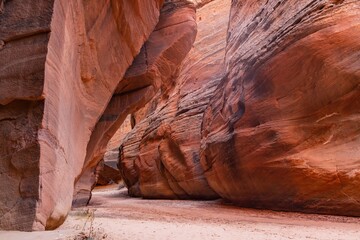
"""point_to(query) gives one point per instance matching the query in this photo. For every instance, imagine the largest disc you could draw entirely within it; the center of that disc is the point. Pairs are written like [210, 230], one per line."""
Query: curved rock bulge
[294, 145]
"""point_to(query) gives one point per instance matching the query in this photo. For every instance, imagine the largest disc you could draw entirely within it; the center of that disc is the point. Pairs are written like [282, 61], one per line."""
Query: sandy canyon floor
[113, 215]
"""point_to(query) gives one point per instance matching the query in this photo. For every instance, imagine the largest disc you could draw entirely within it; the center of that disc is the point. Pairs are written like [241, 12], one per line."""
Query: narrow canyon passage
[235, 117]
[117, 216]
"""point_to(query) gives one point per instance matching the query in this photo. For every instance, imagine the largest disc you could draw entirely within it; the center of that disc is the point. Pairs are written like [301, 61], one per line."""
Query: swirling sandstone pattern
[160, 158]
[53, 92]
[283, 129]
[264, 111]
[152, 69]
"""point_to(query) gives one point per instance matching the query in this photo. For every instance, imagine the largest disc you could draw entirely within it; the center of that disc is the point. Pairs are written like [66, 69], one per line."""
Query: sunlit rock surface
[60, 64]
[152, 70]
[283, 129]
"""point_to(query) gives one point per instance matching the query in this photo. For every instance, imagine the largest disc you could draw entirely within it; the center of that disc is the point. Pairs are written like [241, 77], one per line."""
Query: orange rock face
[54, 91]
[160, 158]
[283, 129]
[262, 109]
[151, 70]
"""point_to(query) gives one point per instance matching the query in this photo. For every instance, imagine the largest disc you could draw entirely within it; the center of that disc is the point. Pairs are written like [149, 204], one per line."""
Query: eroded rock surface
[283, 129]
[23, 49]
[109, 35]
[264, 113]
[151, 71]
[53, 92]
[160, 157]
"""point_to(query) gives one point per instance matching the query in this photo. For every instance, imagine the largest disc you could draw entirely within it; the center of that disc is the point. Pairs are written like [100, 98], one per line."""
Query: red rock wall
[160, 157]
[107, 36]
[152, 70]
[91, 45]
[24, 35]
[282, 131]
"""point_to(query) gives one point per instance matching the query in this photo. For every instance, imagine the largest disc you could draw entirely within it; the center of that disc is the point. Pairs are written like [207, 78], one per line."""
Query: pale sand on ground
[113, 215]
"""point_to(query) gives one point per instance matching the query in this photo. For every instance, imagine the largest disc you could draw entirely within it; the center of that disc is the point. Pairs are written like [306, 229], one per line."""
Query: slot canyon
[178, 119]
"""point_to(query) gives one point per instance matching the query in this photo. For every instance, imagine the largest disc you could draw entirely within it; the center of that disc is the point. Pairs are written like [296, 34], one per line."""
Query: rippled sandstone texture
[151, 71]
[283, 129]
[59, 70]
[160, 158]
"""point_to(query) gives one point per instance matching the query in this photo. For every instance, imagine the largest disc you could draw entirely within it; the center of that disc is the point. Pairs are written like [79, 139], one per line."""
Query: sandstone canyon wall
[23, 49]
[160, 158]
[53, 92]
[263, 111]
[283, 130]
[151, 71]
